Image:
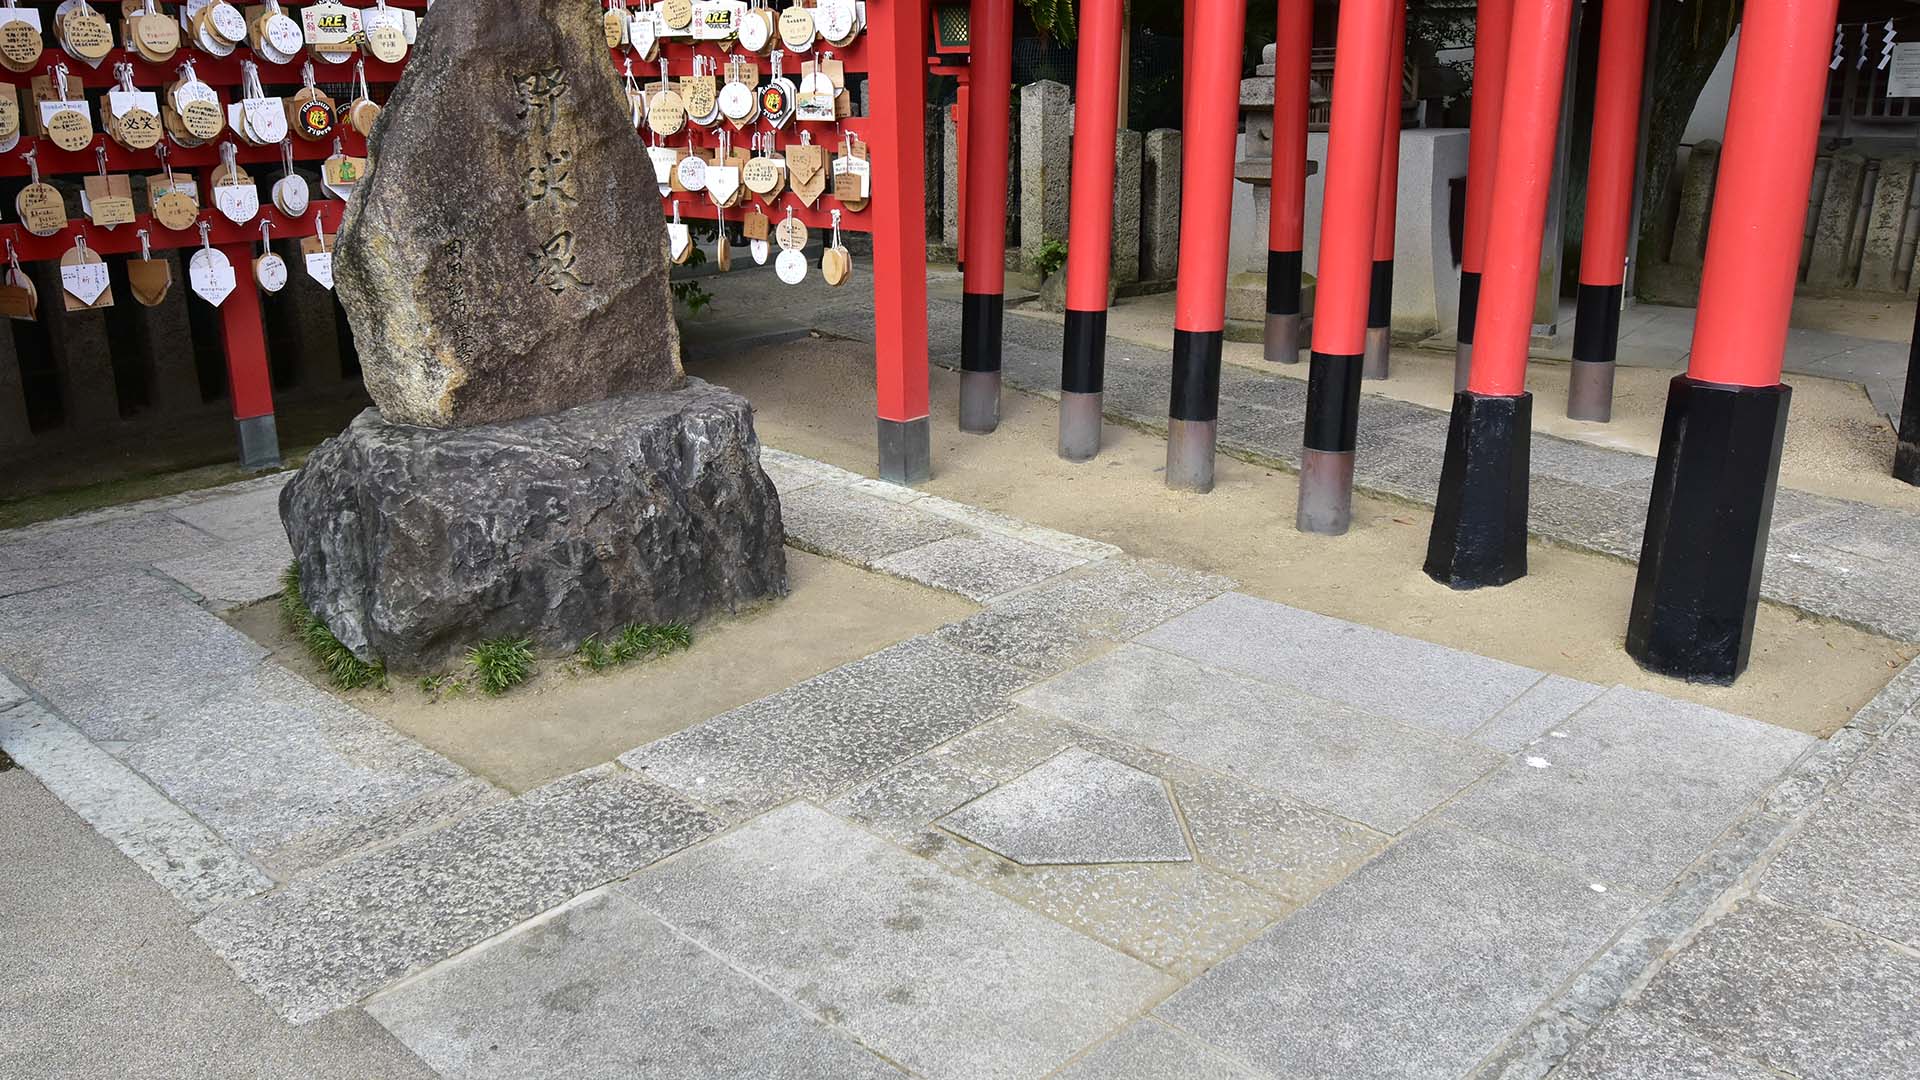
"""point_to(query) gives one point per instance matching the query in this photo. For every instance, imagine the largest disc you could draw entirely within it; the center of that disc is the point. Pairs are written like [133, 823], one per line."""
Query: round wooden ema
[797, 29]
[313, 114]
[361, 115]
[835, 265]
[225, 24]
[155, 37]
[666, 113]
[70, 130]
[176, 211]
[136, 129]
[270, 271]
[756, 30]
[791, 233]
[293, 195]
[387, 43]
[20, 44]
[42, 211]
[763, 177]
[790, 267]
[87, 35]
[676, 14]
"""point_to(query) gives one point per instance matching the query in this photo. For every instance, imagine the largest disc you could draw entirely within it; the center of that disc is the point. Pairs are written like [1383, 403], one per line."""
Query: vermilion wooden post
[1493, 23]
[249, 378]
[1726, 421]
[1611, 171]
[1906, 451]
[1380, 291]
[896, 46]
[1346, 266]
[1480, 518]
[983, 288]
[1287, 207]
[1096, 118]
[1212, 123]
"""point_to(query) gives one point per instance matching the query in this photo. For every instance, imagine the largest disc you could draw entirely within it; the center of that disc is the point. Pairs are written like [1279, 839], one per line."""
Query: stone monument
[538, 464]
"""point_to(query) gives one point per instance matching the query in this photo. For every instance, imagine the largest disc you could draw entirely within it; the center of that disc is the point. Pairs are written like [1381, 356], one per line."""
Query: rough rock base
[415, 543]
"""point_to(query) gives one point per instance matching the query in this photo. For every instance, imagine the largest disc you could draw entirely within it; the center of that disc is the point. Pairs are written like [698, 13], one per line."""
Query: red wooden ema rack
[243, 334]
[891, 51]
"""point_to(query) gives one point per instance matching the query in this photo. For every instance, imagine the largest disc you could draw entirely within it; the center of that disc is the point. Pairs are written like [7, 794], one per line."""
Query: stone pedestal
[416, 543]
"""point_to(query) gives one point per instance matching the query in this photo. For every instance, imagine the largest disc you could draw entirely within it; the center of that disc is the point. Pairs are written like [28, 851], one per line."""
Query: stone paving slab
[1075, 807]
[1631, 1047]
[823, 735]
[1051, 627]
[330, 940]
[1376, 771]
[1635, 787]
[1545, 705]
[977, 567]
[1855, 864]
[860, 528]
[1443, 925]
[603, 989]
[1796, 993]
[1150, 1050]
[10, 695]
[1415, 682]
[1181, 918]
[438, 805]
[942, 976]
[78, 549]
[271, 757]
[233, 574]
[1889, 777]
[247, 515]
[190, 861]
[114, 652]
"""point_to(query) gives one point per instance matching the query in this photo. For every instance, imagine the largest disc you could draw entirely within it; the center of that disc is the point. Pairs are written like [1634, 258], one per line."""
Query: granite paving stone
[603, 989]
[1893, 703]
[1180, 917]
[977, 567]
[1875, 532]
[1889, 777]
[1590, 465]
[233, 574]
[1605, 520]
[439, 805]
[246, 516]
[271, 757]
[112, 652]
[1150, 1050]
[987, 521]
[1831, 581]
[1629, 1046]
[1856, 864]
[1061, 622]
[1547, 703]
[10, 695]
[1289, 849]
[833, 730]
[1411, 476]
[1443, 924]
[1639, 786]
[199, 868]
[1075, 807]
[1412, 681]
[1795, 992]
[857, 527]
[60, 552]
[1365, 768]
[786, 478]
[331, 939]
[940, 975]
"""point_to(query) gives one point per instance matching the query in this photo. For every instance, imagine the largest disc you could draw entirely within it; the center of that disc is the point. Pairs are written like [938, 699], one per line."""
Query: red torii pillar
[897, 48]
[1378, 361]
[1346, 266]
[1480, 518]
[1096, 119]
[1713, 486]
[1287, 206]
[1610, 177]
[1492, 26]
[984, 247]
[1212, 122]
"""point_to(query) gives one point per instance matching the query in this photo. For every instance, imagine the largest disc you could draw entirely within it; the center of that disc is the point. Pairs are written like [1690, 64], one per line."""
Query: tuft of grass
[446, 684]
[638, 641]
[502, 664]
[347, 671]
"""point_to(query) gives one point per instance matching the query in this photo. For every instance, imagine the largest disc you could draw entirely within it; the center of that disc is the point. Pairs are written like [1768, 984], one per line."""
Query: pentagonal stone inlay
[1076, 807]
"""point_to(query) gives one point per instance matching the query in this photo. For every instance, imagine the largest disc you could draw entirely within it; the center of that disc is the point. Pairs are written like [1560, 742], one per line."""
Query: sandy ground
[1837, 444]
[1568, 616]
[562, 721]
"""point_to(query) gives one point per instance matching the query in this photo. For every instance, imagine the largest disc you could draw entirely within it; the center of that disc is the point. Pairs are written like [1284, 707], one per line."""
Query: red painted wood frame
[892, 52]
[243, 335]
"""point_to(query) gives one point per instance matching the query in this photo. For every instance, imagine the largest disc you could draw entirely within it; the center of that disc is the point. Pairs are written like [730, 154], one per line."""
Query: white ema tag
[693, 173]
[834, 18]
[758, 248]
[211, 276]
[815, 99]
[86, 281]
[320, 267]
[644, 32]
[122, 102]
[266, 118]
[239, 202]
[859, 167]
[791, 267]
[722, 183]
[679, 239]
[271, 273]
[664, 159]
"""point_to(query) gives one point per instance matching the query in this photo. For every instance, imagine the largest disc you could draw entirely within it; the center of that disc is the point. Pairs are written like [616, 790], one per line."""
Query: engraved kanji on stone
[540, 93]
[552, 181]
[553, 265]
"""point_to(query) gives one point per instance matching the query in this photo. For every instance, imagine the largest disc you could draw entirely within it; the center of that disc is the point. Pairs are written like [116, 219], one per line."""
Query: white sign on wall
[1903, 73]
